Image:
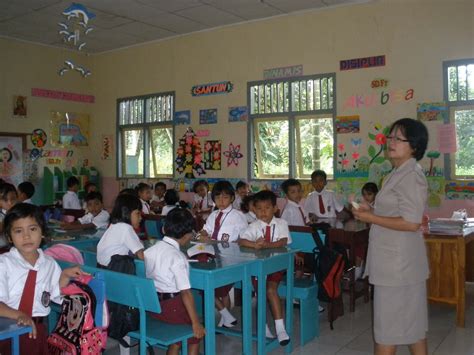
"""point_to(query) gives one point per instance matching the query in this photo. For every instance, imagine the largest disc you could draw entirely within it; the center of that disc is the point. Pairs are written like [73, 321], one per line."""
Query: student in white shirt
[321, 203]
[269, 232]
[224, 224]
[168, 267]
[88, 188]
[26, 190]
[172, 201]
[203, 203]
[8, 198]
[293, 212]
[26, 271]
[242, 189]
[144, 193]
[158, 199]
[120, 238]
[70, 199]
[247, 207]
[97, 217]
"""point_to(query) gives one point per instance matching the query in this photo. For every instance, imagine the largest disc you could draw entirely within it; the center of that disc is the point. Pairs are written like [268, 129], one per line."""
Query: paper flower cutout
[233, 154]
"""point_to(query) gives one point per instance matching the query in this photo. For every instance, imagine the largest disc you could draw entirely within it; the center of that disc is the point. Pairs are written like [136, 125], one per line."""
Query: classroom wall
[415, 35]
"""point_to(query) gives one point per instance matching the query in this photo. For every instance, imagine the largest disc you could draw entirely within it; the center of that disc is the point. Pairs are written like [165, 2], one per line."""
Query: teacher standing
[397, 263]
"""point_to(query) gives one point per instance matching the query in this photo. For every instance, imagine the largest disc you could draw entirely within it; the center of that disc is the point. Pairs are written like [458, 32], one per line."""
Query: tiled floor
[352, 334]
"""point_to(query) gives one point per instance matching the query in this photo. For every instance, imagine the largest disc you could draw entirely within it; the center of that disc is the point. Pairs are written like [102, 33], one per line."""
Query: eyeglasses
[396, 139]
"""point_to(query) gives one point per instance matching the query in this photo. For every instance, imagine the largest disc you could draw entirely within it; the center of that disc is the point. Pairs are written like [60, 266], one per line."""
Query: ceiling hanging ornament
[73, 30]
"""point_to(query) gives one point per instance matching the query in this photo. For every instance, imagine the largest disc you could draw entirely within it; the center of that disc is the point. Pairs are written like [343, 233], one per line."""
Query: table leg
[16, 345]
[261, 312]
[289, 302]
[209, 319]
[461, 283]
[247, 312]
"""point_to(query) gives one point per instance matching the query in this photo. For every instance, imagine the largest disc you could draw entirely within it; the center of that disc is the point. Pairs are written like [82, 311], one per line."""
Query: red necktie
[268, 235]
[322, 210]
[217, 225]
[200, 204]
[28, 295]
[302, 214]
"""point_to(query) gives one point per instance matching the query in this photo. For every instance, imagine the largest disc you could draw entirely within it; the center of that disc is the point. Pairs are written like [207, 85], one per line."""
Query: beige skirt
[400, 314]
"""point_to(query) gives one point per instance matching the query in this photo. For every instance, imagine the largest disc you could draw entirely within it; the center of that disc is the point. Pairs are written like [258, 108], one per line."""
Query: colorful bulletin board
[11, 157]
[69, 129]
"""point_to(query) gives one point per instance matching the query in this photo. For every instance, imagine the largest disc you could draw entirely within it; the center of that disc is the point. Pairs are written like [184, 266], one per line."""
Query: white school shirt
[71, 201]
[279, 230]
[207, 202]
[331, 204]
[233, 223]
[119, 239]
[251, 217]
[167, 266]
[13, 273]
[28, 200]
[100, 221]
[166, 209]
[237, 202]
[291, 214]
[145, 207]
[155, 198]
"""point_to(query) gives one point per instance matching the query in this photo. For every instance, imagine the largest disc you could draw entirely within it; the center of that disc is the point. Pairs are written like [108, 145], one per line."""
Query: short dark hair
[370, 187]
[199, 183]
[23, 210]
[89, 184]
[317, 173]
[171, 197]
[5, 189]
[265, 195]
[9, 152]
[245, 204]
[160, 183]
[178, 222]
[124, 205]
[416, 134]
[94, 195]
[285, 186]
[72, 181]
[222, 186]
[142, 187]
[27, 188]
[241, 184]
[128, 191]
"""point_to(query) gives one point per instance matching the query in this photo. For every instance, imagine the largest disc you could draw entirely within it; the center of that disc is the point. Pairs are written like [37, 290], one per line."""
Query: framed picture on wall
[12, 146]
[19, 106]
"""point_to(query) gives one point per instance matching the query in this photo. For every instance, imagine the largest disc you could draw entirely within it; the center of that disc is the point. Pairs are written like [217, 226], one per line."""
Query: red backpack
[75, 332]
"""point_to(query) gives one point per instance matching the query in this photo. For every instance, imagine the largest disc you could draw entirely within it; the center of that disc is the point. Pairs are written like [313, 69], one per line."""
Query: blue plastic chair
[153, 228]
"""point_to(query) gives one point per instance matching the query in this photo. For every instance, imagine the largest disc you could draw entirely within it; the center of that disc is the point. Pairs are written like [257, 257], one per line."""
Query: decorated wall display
[19, 106]
[11, 157]
[203, 133]
[69, 128]
[208, 116]
[283, 72]
[347, 124]
[189, 159]
[376, 99]
[30, 168]
[238, 114]
[361, 63]
[212, 155]
[62, 95]
[435, 190]
[447, 138]
[182, 117]
[433, 170]
[349, 188]
[379, 83]
[107, 147]
[459, 190]
[39, 138]
[233, 154]
[223, 87]
[433, 111]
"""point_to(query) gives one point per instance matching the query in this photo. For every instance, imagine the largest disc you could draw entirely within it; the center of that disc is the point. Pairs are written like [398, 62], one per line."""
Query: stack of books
[451, 226]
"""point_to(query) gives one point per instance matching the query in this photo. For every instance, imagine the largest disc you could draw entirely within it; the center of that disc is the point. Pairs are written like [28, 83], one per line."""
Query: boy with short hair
[293, 212]
[26, 190]
[321, 203]
[158, 200]
[70, 198]
[97, 217]
[269, 232]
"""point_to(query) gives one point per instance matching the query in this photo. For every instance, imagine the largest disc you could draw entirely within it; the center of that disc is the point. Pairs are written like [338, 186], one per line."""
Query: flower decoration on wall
[189, 155]
[342, 160]
[355, 143]
[233, 154]
[380, 139]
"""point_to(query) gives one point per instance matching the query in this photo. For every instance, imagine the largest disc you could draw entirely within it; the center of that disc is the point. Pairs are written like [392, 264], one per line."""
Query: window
[145, 136]
[291, 124]
[459, 94]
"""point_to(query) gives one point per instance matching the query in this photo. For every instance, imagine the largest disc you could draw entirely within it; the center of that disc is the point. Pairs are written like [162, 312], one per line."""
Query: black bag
[328, 269]
[123, 319]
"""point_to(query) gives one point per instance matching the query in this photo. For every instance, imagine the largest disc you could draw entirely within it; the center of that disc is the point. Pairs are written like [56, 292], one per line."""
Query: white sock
[268, 332]
[279, 325]
[228, 317]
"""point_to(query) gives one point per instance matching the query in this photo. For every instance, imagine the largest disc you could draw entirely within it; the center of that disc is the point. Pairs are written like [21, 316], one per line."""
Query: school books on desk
[451, 226]
[202, 252]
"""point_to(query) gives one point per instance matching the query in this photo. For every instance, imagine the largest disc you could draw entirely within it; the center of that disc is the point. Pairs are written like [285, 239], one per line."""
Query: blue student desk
[10, 330]
[81, 239]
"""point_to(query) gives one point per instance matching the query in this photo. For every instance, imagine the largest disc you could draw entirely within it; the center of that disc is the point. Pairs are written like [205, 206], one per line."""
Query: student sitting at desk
[269, 232]
[8, 198]
[168, 267]
[97, 217]
[158, 200]
[145, 194]
[120, 238]
[26, 190]
[70, 198]
[224, 224]
[29, 279]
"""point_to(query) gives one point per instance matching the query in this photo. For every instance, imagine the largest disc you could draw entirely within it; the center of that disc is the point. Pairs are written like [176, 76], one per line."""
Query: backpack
[75, 332]
[329, 268]
[65, 252]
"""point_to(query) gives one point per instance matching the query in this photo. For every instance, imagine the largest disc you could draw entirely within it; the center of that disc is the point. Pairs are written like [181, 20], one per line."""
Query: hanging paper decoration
[189, 155]
[35, 154]
[39, 138]
[233, 154]
[77, 23]
[212, 155]
[106, 146]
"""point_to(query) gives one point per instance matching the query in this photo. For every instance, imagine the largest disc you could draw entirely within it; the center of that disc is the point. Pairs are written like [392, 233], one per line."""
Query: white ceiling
[123, 23]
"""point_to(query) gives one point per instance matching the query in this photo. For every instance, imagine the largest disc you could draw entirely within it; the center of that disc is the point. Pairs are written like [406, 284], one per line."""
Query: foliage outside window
[145, 136]
[459, 94]
[292, 126]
